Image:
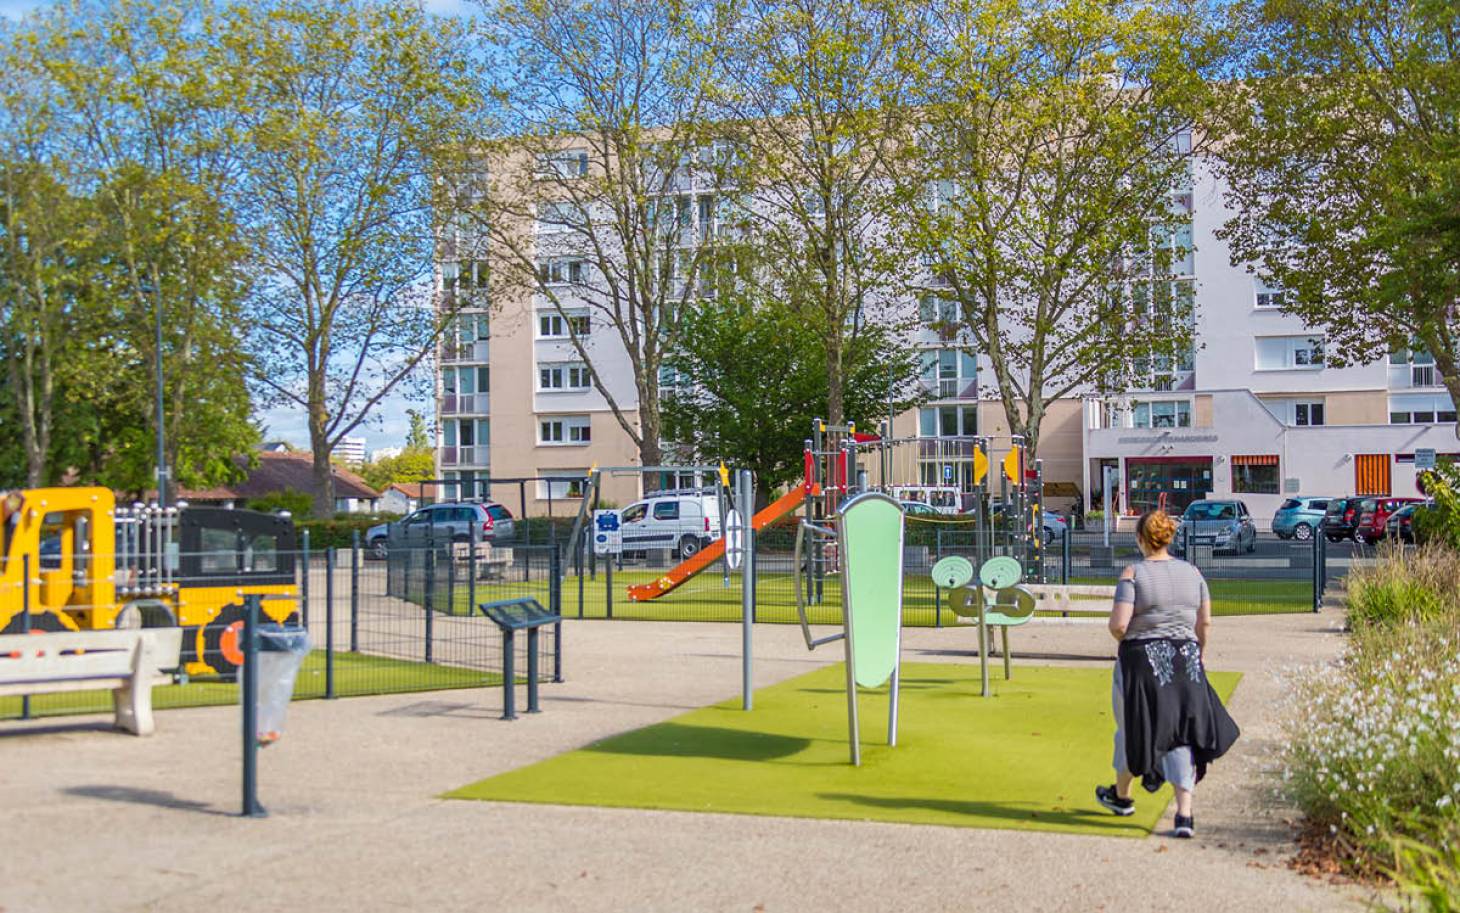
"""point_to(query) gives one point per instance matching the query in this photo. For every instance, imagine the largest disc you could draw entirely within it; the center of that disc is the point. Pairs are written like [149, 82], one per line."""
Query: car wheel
[689, 546]
[380, 547]
[1303, 532]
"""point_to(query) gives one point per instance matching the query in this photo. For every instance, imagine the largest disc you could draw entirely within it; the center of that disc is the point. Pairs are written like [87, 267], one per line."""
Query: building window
[1255, 475]
[561, 483]
[557, 217]
[948, 421]
[1305, 414]
[935, 309]
[569, 163]
[1269, 298]
[1162, 414]
[561, 271]
[949, 373]
[1420, 409]
[571, 376]
[1419, 365]
[567, 429]
[579, 324]
[1280, 353]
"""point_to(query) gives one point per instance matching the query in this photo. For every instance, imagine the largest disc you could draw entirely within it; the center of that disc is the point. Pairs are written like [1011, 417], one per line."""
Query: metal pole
[250, 685]
[355, 591]
[608, 586]
[329, 623]
[161, 432]
[583, 547]
[747, 588]
[532, 671]
[430, 594]
[509, 672]
[937, 591]
[471, 571]
[555, 599]
[304, 577]
[25, 620]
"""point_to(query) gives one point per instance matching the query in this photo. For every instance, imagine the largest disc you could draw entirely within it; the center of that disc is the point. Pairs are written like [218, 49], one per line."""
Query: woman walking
[1169, 723]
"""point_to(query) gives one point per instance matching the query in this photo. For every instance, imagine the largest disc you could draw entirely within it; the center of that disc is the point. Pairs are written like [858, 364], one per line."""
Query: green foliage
[411, 465]
[297, 503]
[1427, 873]
[1372, 740]
[730, 409]
[1405, 586]
[1440, 522]
[336, 532]
[1340, 155]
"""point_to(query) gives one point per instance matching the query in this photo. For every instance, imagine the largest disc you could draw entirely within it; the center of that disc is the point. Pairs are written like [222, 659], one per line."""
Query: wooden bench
[128, 662]
[489, 567]
[1065, 598]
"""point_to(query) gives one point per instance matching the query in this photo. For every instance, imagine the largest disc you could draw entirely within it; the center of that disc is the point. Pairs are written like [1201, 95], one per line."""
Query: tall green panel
[871, 536]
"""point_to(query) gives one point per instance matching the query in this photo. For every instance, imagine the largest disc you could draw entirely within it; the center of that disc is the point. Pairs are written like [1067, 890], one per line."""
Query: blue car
[1298, 518]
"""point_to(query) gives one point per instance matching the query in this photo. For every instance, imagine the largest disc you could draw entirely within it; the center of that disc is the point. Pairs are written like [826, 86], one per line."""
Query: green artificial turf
[1028, 757]
[356, 674]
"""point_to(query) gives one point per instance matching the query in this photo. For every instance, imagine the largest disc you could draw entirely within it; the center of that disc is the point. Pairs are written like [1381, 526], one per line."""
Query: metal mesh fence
[366, 637]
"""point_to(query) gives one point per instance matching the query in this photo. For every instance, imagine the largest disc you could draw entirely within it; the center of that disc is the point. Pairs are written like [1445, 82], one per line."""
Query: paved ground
[97, 821]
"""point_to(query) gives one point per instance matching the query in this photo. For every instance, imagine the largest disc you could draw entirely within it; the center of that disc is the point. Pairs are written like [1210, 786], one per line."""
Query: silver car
[1224, 526]
[453, 521]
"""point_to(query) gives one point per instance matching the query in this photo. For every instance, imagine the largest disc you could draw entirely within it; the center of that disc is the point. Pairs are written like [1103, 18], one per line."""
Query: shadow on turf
[679, 741]
[131, 794]
[1074, 817]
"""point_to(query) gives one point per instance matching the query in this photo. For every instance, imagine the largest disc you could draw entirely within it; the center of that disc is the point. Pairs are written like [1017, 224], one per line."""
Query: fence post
[555, 601]
[1320, 566]
[608, 586]
[747, 586]
[582, 546]
[430, 591]
[250, 685]
[938, 591]
[304, 578]
[25, 620]
[451, 577]
[1065, 550]
[329, 622]
[471, 571]
[355, 590]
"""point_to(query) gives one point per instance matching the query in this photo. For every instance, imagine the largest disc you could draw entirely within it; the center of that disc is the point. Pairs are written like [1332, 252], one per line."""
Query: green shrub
[1417, 585]
[1428, 875]
[298, 503]
[336, 533]
[1439, 523]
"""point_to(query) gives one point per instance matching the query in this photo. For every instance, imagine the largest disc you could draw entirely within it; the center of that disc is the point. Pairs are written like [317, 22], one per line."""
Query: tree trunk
[1449, 369]
[651, 450]
[324, 479]
[835, 391]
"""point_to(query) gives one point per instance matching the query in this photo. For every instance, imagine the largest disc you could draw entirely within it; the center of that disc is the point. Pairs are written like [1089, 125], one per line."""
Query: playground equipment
[868, 532]
[995, 596]
[72, 560]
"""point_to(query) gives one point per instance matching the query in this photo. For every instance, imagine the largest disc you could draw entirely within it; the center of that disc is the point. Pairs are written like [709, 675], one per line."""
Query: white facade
[351, 450]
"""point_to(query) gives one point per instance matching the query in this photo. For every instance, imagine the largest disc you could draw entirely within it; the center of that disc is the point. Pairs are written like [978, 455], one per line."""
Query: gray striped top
[1167, 595]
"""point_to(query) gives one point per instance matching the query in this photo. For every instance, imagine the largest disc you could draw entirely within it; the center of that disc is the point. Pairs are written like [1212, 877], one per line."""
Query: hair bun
[1156, 529]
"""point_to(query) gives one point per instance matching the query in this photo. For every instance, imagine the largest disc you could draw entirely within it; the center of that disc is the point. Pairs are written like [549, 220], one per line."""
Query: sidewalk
[97, 821]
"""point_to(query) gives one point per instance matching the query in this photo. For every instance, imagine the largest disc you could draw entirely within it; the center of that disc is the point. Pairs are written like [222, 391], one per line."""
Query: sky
[390, 423]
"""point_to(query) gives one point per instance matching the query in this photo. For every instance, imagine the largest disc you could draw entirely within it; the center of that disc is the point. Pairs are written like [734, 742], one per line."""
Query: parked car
[451, 521]
[1400, 525]
[683, 523]
[1374, 513]
[1297, 518]
[1050, 521]
[918, 509]
[1226, 526]
[1342, 518]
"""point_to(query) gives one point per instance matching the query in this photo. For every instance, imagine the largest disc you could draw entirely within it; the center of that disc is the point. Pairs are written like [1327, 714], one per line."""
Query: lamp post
[161, 434]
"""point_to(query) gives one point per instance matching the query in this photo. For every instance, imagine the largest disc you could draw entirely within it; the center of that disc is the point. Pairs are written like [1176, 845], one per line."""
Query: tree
[111, 104]
[350, 113]
[1049, 191]
[721, 399]
[605, 190]
[813, 97]
[1342, 158]
[415, 463]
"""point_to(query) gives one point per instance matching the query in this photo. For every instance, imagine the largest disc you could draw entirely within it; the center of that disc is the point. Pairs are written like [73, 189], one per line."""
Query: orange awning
[1261, 459]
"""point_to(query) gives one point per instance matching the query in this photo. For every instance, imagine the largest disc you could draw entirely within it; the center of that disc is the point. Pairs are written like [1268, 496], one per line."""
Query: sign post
[608, 534]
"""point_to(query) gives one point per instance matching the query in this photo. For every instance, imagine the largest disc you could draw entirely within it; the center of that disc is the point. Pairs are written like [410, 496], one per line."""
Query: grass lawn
[1028, 757]
[706, 598]
[356, 674]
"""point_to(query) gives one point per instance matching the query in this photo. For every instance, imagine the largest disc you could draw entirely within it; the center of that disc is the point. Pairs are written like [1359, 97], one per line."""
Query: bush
[298, 503]
[336, 533]
[1373, 747]
[1439, 523]
[1405, 586]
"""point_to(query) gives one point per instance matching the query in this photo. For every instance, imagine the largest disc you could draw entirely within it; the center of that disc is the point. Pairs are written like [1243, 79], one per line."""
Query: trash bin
[281, 652]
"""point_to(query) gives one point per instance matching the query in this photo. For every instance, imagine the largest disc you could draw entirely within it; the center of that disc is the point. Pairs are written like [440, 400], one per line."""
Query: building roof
[409, 489]
[282, 471]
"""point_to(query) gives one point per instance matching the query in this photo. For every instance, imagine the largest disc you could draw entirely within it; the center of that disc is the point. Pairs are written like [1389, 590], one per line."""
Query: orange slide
[711, 553]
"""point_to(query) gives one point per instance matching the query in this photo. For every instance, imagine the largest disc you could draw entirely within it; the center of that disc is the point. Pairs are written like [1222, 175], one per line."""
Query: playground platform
[104, 822]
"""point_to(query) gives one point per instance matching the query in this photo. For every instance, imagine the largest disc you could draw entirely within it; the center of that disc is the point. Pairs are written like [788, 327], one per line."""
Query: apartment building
[1254, 411]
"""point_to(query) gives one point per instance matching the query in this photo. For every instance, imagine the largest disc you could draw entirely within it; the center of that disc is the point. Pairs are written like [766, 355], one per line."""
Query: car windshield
[1291, 503]
[1206, 510]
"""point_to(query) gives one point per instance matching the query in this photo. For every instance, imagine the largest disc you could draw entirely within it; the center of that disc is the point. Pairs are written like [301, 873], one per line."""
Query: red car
[1374, 513]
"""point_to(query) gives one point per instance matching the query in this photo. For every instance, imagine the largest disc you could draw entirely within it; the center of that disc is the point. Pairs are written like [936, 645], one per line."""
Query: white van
[684, 523]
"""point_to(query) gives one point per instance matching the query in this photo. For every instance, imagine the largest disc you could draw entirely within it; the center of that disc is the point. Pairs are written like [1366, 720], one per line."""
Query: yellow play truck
[95, 565]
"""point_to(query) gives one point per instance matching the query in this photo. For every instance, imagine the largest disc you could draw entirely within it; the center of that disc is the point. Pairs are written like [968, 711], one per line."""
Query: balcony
[464, 403]
[1409, 376]
[472, 352]
[951, 388]
[475, 456]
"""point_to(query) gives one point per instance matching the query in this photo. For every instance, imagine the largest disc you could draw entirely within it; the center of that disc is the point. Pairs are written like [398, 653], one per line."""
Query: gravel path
[97, 821]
